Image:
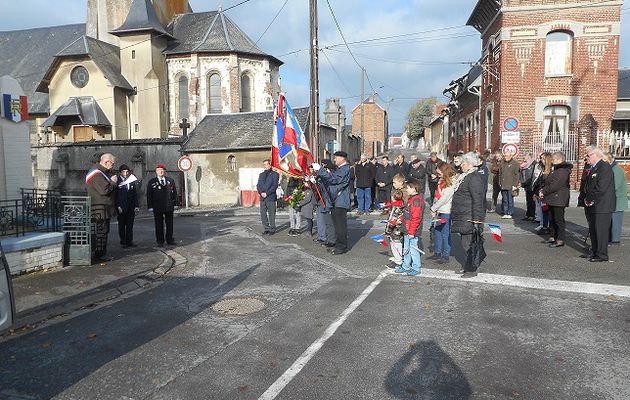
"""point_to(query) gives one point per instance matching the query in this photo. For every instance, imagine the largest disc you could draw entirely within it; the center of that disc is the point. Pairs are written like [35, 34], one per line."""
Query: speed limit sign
[184, 164]
[510, 148]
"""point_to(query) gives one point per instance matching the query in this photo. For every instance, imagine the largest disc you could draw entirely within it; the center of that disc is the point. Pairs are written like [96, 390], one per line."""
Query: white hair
[471, 159]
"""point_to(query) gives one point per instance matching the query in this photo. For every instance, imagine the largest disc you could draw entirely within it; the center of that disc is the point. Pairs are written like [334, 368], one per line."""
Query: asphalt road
[338, 327]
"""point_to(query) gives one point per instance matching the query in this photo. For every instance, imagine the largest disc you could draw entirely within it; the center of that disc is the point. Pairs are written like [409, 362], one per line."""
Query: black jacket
[585, 172]
[364, 174]
[557, 190]
[127, 198]
[468, 204]
[600, 188]
[420, 174]
[162, 198]
[385, 175]
[268, 183]
[431, 168]
[402, 169]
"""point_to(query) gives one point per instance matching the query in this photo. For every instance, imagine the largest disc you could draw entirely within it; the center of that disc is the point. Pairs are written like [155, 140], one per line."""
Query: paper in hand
[130, 179]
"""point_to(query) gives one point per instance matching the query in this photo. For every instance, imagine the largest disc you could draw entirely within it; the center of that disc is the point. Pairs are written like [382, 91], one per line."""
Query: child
[307, 207]
[393, 229]
[412, 222]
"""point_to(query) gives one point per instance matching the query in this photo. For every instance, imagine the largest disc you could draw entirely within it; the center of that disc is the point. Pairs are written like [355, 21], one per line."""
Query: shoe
[295, 233]
[400, 270]
[290, 232]
[392, 265]
[132, 244]
[413, 272]
[171, 243]
[161, 244]
[104, 258]
[271, 233]
[538, 228]
[558, 243]
[461, 271]
[614, 244]
[444, 260]
[598, 259]
[506, 216]
[337, 252]
[265, 232]
[470, 274]
[434, 257]
[525, 219]
[536, 221]
[588, 255]
[359, 213]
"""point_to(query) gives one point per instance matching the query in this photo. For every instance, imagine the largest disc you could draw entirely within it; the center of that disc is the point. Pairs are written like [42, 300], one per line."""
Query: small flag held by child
[496, 232]
[380, 239]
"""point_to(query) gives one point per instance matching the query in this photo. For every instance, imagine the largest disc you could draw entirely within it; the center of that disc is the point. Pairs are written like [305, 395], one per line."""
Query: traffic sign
[510, 148]
[510, 124]
[511, 137]
[184, 164]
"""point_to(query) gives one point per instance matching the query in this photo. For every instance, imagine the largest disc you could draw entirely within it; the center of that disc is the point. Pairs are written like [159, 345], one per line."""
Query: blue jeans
[321, 224]
[411, 251]
[442, 237]
[507, 202]
[615, 227]
[364, 199]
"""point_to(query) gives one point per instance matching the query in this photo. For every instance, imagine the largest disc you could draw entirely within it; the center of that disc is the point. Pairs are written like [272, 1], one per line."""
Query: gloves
[150, 210]
[316, 167]
[312, 179]
[120, 210]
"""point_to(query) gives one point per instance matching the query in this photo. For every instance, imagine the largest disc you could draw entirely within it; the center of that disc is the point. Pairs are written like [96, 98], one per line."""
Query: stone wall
[34, 252]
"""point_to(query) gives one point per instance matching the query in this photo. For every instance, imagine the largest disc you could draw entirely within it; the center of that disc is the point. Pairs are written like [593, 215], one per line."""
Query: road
[341, 327]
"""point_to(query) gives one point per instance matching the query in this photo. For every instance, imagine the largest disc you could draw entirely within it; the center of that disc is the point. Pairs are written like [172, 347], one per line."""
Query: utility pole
[314, 104]
[362, 112]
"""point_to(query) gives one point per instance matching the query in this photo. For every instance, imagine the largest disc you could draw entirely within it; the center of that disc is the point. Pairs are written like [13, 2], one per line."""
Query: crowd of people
[456, 201]
[116, 195]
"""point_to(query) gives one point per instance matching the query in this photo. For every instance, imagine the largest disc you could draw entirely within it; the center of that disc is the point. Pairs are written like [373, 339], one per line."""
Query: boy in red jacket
[412, 223]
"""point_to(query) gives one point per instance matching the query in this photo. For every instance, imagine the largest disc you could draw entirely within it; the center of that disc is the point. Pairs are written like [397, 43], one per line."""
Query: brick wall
[375, 128]
[29, 260]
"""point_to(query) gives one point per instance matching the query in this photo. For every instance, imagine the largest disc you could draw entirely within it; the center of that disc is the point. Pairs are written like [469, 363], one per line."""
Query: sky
[434, 48]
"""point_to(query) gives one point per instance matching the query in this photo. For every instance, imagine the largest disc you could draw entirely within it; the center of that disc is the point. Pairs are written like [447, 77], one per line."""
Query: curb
[92, 298]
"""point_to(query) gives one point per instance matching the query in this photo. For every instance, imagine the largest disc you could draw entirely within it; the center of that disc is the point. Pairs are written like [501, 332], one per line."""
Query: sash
[95, 172]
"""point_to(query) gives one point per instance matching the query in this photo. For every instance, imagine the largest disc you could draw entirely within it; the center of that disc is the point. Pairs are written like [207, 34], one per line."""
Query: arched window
[231, 163]
[214, 93]
[247, 95]
[558, 53]
[556, 125]
[182, 101]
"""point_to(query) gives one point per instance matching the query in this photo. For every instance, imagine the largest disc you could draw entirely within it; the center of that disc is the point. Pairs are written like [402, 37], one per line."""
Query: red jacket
[412, 217]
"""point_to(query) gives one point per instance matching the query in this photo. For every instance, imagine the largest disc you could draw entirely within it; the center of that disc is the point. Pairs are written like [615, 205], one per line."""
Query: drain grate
[239, 306]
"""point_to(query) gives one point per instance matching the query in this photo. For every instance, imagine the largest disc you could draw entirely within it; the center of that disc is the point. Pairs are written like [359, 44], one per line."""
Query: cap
[160, 166]
[340, 153]
[124, 167]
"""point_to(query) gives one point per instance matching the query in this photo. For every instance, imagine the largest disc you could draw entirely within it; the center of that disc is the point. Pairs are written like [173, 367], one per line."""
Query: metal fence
[616, 143]
[77, 225]
[36, 211]
[548, 142]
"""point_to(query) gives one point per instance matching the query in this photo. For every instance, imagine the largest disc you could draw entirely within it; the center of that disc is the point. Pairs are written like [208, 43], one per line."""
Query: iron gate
[77, 225]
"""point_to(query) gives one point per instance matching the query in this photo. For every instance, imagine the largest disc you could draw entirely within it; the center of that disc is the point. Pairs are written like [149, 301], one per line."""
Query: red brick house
[373, 126]
[552, 65]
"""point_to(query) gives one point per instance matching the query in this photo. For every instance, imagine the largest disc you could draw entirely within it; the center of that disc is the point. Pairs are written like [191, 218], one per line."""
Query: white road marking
[533, 283]
[277, 387]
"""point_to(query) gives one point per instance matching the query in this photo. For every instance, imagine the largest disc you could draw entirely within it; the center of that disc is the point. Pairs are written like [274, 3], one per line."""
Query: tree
[416, 115]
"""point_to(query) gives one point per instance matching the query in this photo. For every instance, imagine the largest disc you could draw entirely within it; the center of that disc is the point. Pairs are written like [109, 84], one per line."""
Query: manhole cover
[239, 306]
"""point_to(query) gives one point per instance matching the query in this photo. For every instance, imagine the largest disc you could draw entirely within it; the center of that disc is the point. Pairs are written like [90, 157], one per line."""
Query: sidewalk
[43, 295]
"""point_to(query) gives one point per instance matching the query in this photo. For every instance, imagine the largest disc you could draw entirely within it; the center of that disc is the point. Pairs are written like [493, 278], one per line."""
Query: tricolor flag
[94, 172]
[290, 154]
[14, 108]
[496, 232]
[380, 239]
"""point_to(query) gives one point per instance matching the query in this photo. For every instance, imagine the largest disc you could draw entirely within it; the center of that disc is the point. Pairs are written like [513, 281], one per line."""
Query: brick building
[552, 65]
[373, 127]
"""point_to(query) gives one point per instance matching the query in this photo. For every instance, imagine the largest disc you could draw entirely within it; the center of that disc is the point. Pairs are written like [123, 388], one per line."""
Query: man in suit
[101, 187]
[127, 205]
[162, 200]
[267, 186]
[384, 179]
[338, 185]
[599, 202]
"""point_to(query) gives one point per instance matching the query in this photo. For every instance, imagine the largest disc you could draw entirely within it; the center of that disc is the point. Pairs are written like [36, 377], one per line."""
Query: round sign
[510, 124]
[510, 148]
[184, 164]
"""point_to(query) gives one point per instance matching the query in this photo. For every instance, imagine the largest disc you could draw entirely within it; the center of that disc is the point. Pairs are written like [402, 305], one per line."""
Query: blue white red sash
[94, 172]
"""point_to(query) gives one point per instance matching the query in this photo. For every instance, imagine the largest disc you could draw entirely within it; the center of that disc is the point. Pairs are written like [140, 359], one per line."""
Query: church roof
[27, 53]
[239, 131]
[84, 108]
[141, 18]
[106, 57]
[210, 32]
[623, 89]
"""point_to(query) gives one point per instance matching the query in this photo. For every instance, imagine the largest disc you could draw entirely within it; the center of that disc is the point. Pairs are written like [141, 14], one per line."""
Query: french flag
[380, 239]
[15, 109]
[290, 153]
[495, 230]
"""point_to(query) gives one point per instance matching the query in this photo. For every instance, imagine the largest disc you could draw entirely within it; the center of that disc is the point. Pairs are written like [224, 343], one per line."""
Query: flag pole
[314, 99]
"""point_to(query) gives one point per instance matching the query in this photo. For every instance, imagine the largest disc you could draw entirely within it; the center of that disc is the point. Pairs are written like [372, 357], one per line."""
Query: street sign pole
[185, 164]
[186, 187]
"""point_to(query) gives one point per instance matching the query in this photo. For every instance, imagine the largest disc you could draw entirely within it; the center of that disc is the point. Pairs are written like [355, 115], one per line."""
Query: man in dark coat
[400, 166]
[384, 178]
[338, 185]
[162, 200]
[468, 210]
[127, 205]
[600, 202]
[267, 186]
[417, 171]
[101, 187]
[432, 176]
[364, 172]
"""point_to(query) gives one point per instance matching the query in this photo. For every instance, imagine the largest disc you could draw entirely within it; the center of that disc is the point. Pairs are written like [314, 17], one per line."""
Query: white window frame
[559, 53]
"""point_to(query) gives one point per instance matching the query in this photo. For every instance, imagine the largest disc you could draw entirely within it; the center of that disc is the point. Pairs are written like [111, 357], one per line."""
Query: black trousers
[340, 221]
[558, 224]
[160, 218]
[531, 204]
[384, 194]
[432, 188]
[125, 226]
[599, 231]
[496, 189]
[100, 229]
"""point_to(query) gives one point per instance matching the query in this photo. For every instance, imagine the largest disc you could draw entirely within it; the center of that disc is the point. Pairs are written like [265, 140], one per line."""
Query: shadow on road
[427, 372]
[46, 362]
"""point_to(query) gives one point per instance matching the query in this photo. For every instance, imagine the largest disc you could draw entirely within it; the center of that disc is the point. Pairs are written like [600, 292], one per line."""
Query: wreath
[296, 197]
